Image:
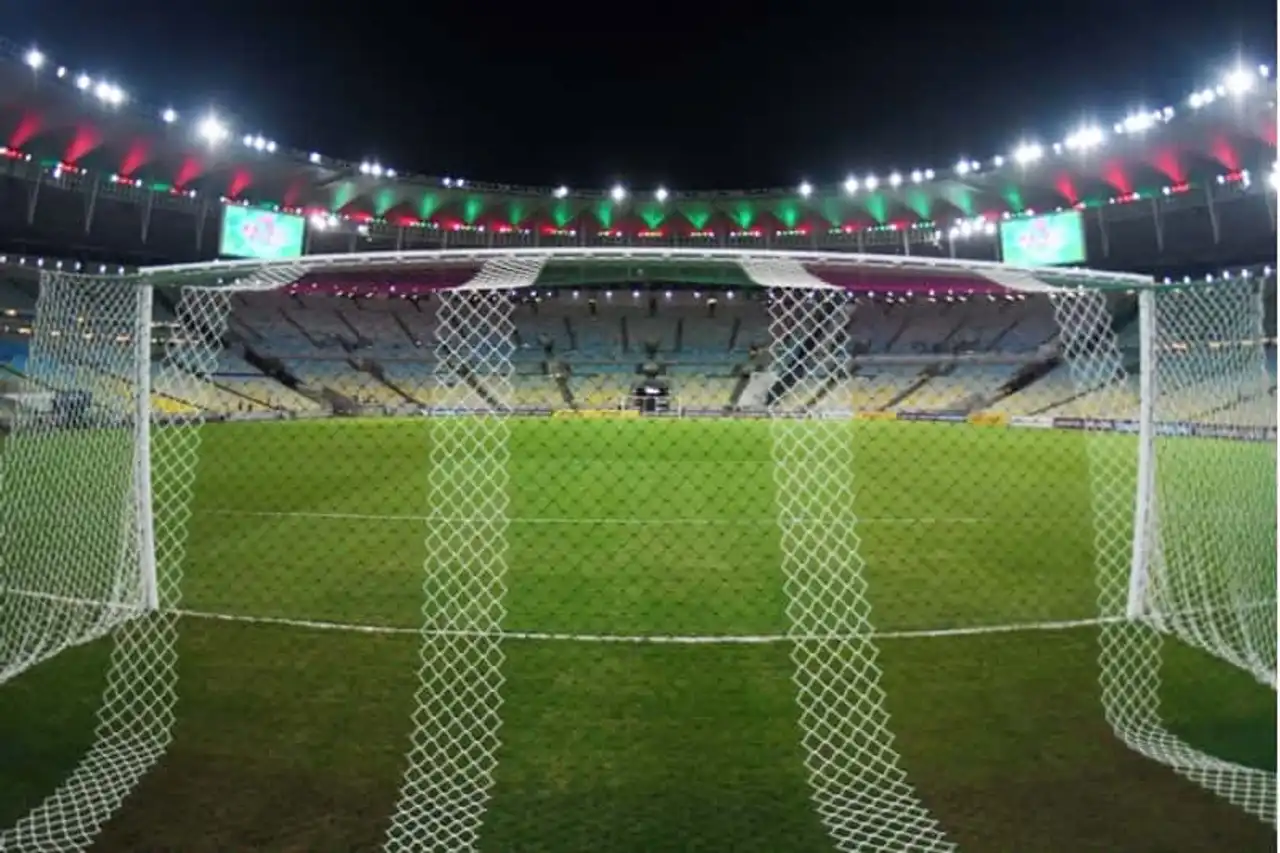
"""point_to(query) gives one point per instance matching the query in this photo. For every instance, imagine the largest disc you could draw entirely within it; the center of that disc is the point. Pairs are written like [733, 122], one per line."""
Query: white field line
[602, 520]
[634, 639]
[655, 639]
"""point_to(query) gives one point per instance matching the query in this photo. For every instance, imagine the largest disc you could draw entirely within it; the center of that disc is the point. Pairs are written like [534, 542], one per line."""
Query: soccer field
[648, 701]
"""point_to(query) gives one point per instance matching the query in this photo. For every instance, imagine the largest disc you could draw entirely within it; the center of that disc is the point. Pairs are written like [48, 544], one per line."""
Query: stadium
[347, 509]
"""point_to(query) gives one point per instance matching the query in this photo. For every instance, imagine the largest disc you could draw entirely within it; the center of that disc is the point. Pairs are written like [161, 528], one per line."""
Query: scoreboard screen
[1043, 241]
[264, 234]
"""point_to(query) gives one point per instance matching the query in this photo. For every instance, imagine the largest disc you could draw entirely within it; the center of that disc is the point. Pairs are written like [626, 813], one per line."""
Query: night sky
[693, 95]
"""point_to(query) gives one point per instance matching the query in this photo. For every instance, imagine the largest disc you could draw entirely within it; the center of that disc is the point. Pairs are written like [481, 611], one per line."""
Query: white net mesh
[71, 456]
[860, 791]
[744, 629]
[1203, 566]
[455, 734]
[104, 475]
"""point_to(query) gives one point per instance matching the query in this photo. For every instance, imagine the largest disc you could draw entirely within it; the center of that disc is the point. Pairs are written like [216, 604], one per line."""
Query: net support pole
[143, 519]
[1144, 495]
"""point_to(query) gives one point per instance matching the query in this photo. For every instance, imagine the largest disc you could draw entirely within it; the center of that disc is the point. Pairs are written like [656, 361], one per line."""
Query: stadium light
[1136, 123]
[83, 82]
[211, 130]
[169, 116]
[851, 185]
[963, 167]
[1239, 81]
[561, 192]
[1084, 139]
[871, 182]
[1028, 153]
[315, 157]
[618, 193]
[917, 176]
[806, 189]
[109, 93]
[35, 59]
[661, 194]
[895, 180]
[257, 143]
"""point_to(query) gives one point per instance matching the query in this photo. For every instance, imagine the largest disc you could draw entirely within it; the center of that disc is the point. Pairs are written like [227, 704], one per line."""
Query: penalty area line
[651, 639]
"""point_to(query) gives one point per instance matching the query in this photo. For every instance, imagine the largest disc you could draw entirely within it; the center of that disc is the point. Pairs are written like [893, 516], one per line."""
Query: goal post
[1152, 404]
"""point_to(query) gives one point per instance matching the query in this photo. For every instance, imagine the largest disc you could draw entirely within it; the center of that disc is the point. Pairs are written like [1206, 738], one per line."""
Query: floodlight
[211, 130]
[851, 185]
[169, 116]
[618, 193]
[35, 59]
[1239, 81]
[1085, 138]
[661, 194]
[561, 192]
[806, 189]
[895, 180]
[1028, 153]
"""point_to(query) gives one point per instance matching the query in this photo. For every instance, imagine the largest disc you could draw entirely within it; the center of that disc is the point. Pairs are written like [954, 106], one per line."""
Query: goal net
[760, 626]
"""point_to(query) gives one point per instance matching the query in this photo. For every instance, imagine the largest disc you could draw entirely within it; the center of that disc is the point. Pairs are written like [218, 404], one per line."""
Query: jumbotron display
[263, 234]
[1041, 241]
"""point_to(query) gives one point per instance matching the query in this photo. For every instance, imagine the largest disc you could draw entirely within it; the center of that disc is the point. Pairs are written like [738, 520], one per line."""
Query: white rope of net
[81, 353]
[136, 714]
[455, 740]
[1213, 584]
[860, 790]
[1131, 649]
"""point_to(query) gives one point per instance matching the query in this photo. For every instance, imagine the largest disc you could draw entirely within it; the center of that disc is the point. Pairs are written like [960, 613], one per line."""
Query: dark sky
[695, 95]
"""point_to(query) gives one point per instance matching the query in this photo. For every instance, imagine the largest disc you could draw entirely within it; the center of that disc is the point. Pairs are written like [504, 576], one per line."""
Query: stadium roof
[70, 123]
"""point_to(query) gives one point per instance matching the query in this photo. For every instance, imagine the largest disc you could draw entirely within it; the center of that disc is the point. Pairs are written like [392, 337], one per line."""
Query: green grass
[291, 738]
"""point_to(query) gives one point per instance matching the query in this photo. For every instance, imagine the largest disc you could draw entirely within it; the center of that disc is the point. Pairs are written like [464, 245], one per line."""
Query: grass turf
[294, 739]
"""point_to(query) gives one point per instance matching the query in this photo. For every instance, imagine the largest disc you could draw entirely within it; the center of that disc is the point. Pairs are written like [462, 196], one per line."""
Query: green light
[961, 197]
[877, 207]
[697, 214]
[1013, 197]
[384, 200]
[472, 208]
[428, 205]
[343, 194]
[920, 203]
[744, 214]
[562, 213]
[604, 212]
[653, 215]
[788, 213]
[517, 210]
[832, 210]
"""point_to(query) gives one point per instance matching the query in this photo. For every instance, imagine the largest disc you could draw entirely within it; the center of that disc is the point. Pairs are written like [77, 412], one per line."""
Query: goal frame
[770, 270]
